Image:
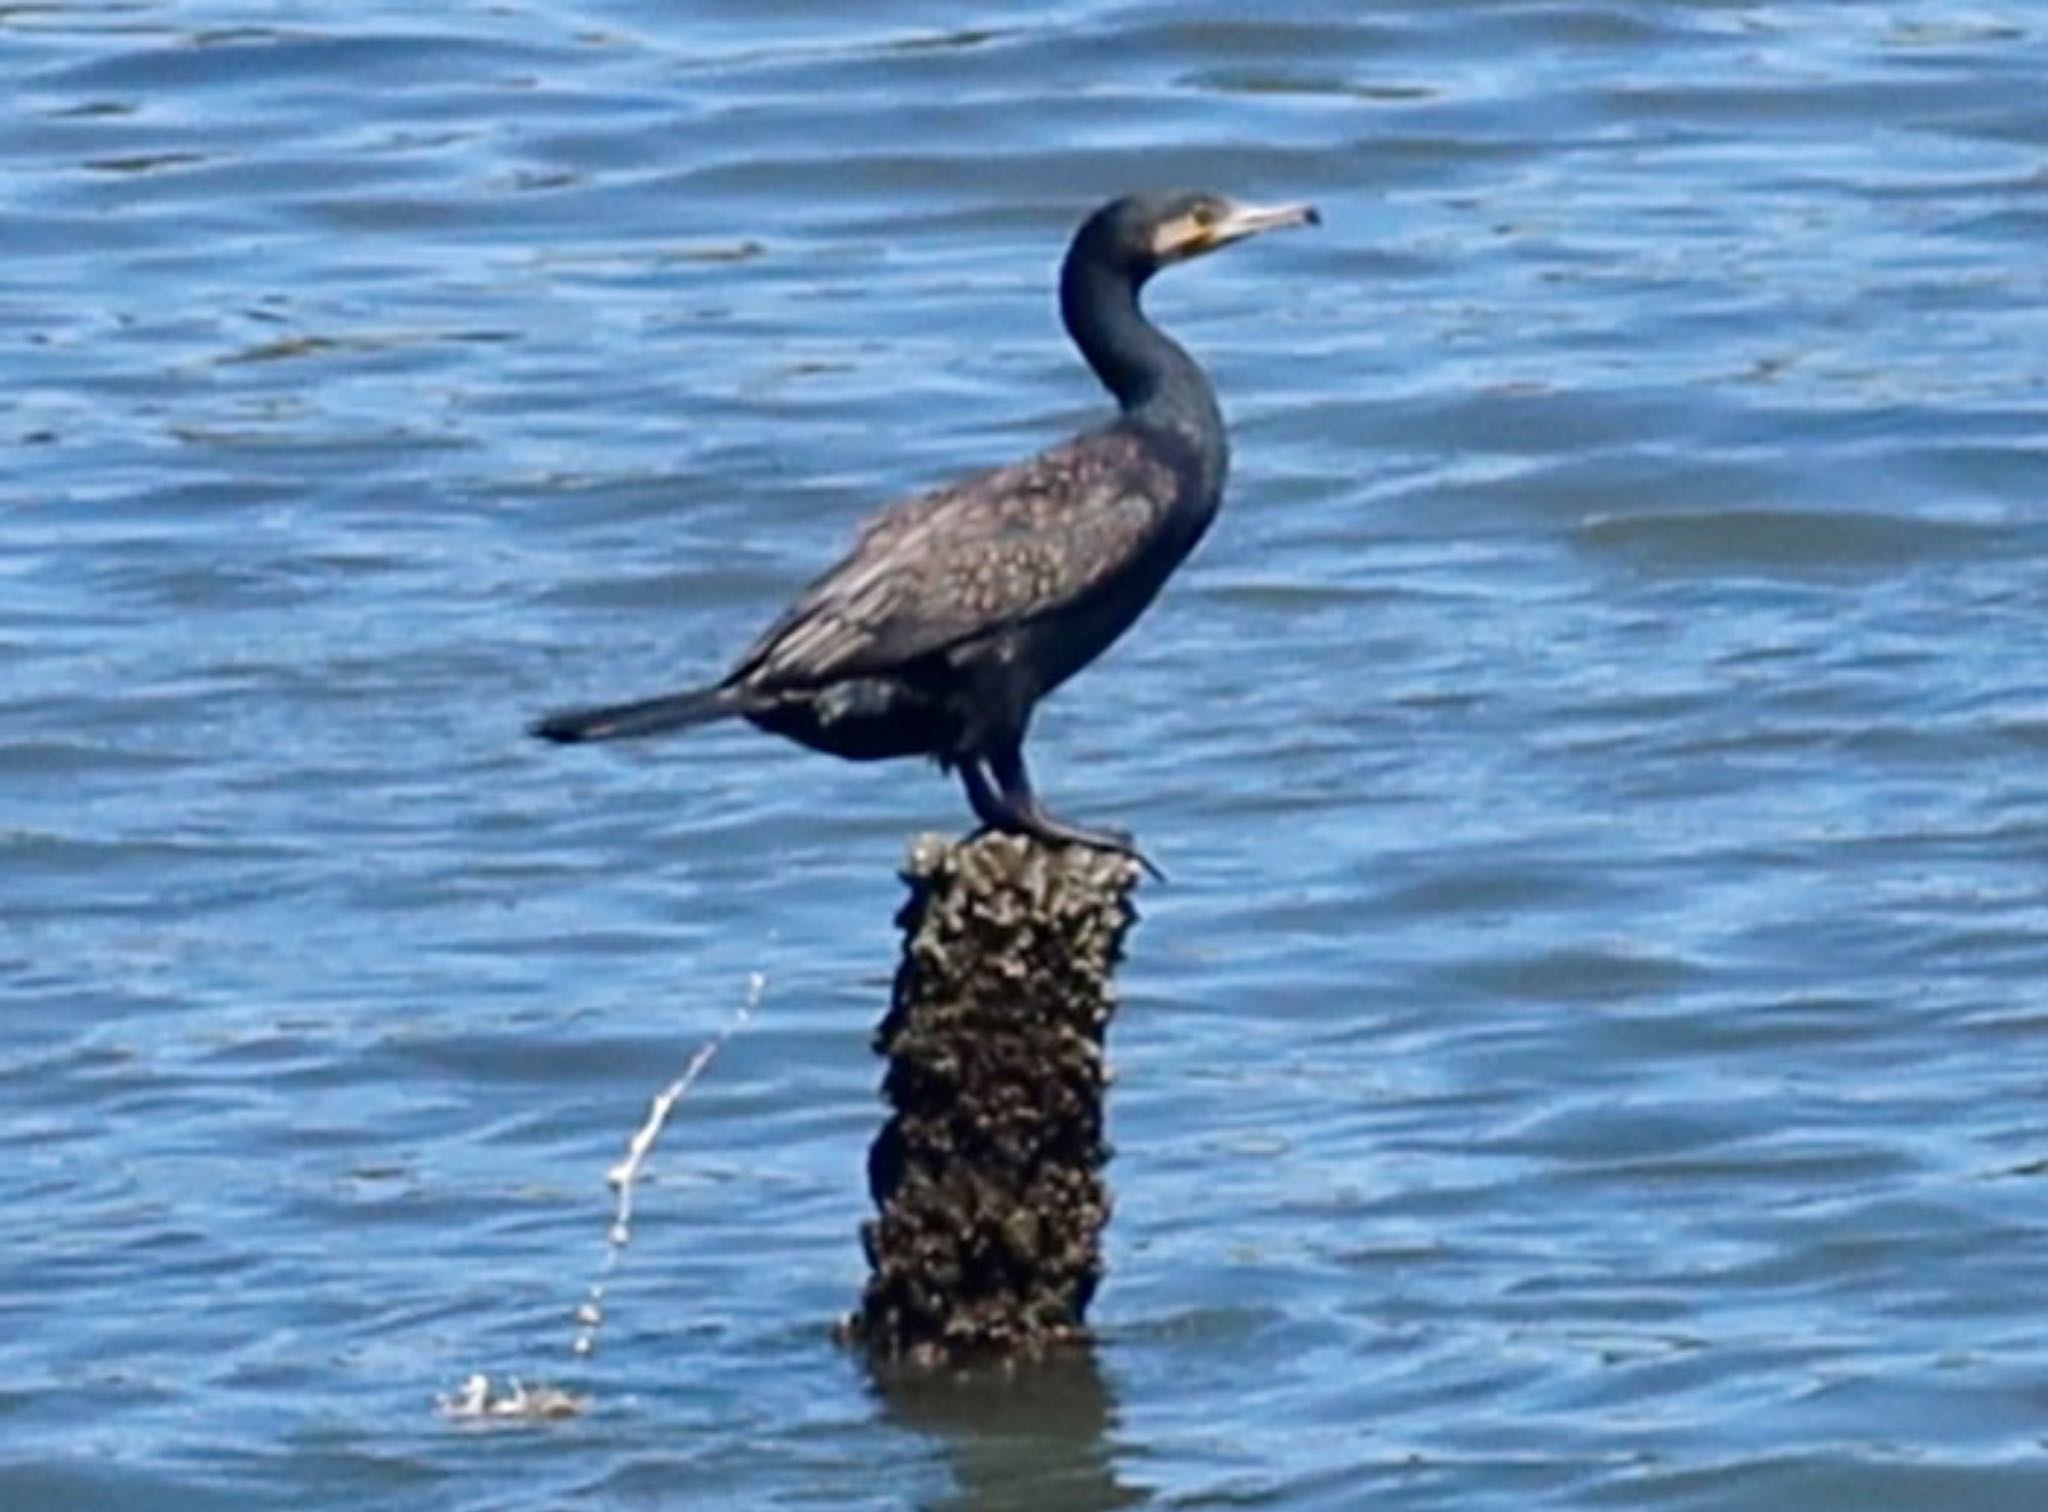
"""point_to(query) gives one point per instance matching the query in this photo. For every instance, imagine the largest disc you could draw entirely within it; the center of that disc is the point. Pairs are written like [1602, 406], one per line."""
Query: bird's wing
[963, 561]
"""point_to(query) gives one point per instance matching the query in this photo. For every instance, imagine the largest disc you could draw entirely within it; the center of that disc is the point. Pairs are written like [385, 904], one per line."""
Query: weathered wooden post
[988, 1174]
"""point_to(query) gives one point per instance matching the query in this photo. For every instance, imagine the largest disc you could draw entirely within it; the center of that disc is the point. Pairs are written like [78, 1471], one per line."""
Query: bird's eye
[1204, 215]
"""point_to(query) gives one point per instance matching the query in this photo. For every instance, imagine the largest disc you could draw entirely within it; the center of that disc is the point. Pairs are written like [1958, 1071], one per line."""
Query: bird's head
[1142, 233]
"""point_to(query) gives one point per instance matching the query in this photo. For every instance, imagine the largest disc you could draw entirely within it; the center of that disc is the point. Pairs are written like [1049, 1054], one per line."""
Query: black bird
[957, 610]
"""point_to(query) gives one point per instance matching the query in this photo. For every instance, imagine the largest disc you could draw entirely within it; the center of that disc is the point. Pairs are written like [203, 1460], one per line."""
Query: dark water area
[1590, 1052]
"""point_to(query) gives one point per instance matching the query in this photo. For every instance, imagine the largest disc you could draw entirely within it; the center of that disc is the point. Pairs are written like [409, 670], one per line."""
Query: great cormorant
[957, 610]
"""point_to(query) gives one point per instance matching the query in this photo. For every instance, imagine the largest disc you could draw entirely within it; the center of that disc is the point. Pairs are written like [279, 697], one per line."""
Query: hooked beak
[1199, 233]
[1250, 220]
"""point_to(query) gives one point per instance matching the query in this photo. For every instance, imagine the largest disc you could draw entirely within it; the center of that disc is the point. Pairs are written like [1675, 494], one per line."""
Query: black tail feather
[649, 716]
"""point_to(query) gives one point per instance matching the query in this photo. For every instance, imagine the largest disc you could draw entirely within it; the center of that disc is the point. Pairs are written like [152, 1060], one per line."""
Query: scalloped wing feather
[969, 559]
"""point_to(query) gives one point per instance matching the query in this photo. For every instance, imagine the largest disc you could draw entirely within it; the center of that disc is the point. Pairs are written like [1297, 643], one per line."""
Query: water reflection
[1027, 1438]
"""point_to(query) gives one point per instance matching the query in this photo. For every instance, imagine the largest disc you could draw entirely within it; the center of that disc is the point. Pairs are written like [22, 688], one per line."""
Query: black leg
[1024, 814]
[982, 798]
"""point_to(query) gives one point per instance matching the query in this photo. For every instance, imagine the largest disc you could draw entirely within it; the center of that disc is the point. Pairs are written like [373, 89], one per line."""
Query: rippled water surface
[1590, 1053]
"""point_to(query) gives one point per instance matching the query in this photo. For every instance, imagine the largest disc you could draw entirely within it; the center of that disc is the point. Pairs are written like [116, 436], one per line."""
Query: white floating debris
[480, 1400]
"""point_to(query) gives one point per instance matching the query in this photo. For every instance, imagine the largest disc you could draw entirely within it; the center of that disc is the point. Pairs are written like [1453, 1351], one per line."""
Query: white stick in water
[479, 1397]
[622, 1176]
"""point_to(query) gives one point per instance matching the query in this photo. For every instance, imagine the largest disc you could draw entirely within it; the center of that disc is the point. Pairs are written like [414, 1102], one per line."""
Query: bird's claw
[1121, 842]
[1152, 868]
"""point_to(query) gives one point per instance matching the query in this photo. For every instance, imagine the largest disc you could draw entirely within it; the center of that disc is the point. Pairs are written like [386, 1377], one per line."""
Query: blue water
[1590, 1051]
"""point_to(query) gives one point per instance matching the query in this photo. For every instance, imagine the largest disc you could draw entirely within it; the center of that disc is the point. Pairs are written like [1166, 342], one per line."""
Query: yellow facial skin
[1210, 224]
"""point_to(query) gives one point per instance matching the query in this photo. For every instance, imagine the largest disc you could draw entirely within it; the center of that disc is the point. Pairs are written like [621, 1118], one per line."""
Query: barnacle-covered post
[988, 1174]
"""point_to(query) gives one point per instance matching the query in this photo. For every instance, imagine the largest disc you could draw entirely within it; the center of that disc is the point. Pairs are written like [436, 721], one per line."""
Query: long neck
[1155, 381]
